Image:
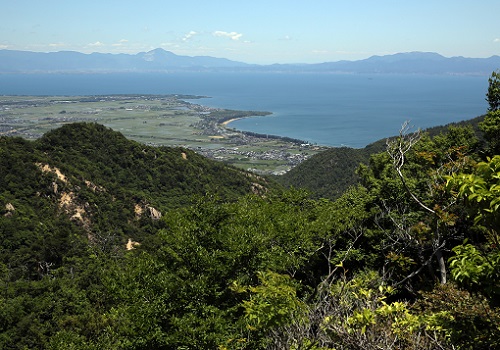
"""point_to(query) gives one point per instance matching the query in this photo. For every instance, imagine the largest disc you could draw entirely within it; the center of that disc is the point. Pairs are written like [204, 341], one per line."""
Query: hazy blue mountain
[416, 62]
[400, 63]
[70, 61]
[160, 60]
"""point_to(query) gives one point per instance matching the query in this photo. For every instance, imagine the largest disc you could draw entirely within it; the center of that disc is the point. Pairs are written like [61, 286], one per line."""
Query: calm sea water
[327, 109]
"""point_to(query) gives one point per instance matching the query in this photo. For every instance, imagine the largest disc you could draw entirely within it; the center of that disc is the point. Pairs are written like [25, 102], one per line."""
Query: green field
[160, 120]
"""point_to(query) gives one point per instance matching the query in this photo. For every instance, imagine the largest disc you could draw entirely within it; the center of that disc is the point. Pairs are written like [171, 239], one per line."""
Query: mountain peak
[157, 54]
[160, 51]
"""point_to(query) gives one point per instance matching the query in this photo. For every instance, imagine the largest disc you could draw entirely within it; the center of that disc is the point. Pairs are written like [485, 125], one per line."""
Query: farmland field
[159, 120]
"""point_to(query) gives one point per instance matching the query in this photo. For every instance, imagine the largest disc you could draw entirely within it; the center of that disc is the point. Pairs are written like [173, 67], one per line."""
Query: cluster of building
[223, 153]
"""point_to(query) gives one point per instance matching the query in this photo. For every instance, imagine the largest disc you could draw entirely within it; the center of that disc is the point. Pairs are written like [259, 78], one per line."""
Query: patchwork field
[160, 120]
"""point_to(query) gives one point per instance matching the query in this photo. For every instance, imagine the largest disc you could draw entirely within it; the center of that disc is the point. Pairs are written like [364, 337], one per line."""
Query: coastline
[226, 122]
[225, 125]
[158, 120]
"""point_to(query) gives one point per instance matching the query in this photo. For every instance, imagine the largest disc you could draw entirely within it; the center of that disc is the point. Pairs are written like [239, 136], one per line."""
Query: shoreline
[225, 125]
[226, 122]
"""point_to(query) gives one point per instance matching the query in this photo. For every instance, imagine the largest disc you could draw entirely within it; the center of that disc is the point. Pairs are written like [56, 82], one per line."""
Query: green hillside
[88, 180]
[327, 174]
[95, 153]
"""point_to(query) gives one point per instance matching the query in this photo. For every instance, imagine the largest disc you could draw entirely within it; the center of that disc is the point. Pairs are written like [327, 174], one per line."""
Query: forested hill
[169, 177]
[87, 157]
[87, 179]
[328, 174]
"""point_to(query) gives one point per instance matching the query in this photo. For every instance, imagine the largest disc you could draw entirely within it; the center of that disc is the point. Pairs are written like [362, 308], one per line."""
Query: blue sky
[255, 31]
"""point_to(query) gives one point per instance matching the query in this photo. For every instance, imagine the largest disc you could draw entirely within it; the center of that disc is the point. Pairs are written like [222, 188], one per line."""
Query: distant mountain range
[159, 60]
[70, 61]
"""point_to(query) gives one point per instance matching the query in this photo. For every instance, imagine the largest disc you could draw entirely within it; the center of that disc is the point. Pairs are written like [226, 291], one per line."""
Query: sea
[350, 110]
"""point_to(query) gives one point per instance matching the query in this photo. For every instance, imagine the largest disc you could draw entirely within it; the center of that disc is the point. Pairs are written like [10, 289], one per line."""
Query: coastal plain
[159, 120]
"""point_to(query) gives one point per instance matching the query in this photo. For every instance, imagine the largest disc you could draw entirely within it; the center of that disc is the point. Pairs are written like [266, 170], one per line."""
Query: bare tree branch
[397, 150]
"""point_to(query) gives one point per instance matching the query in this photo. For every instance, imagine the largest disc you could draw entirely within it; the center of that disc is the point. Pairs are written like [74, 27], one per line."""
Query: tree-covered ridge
[85, 180]
[96, 153]
[329, 173]
[406, 259]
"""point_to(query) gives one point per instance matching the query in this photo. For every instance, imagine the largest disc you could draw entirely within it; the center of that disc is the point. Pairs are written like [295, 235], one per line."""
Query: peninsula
[159, 120]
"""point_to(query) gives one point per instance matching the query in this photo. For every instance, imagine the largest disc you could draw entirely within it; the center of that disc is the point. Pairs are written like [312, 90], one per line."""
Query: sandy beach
[225, 123]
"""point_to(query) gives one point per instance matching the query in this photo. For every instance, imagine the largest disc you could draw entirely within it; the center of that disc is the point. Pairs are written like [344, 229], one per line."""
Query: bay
[327, 109]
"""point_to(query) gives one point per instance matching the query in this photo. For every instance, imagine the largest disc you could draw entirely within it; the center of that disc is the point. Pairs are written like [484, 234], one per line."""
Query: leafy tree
[481, 190]
[491, 123]
[272, 304]
[479, 264]
[477, 269]
[491, 128]
[493, 94]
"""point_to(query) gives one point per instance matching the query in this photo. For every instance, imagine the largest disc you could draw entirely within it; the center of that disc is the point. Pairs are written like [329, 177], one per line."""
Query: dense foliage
[110, 244]
[330, 173]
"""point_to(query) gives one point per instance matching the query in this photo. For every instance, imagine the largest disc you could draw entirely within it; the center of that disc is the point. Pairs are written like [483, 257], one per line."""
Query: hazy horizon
[353, 60]
[260, 32]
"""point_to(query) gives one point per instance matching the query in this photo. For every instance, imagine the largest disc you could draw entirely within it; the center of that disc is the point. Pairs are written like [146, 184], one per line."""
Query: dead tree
[397, 150]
